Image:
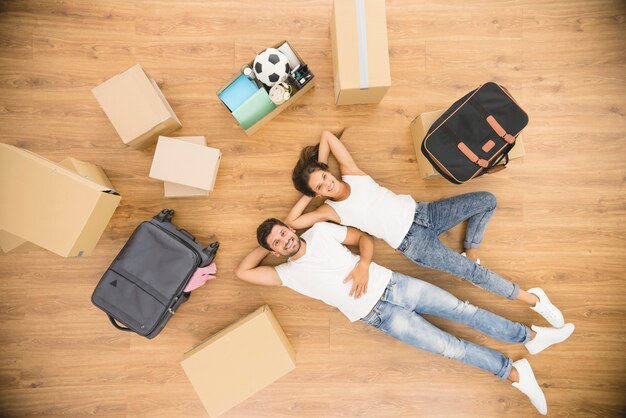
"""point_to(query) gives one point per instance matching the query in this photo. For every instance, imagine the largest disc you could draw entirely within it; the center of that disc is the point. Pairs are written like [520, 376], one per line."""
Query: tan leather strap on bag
[471, 156]
[500, 130]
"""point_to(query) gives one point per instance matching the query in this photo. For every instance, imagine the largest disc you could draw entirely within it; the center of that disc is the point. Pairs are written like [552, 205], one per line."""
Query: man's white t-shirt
[320, 272]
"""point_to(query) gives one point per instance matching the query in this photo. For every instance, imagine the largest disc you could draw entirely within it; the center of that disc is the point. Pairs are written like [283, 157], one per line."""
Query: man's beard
[296, 247]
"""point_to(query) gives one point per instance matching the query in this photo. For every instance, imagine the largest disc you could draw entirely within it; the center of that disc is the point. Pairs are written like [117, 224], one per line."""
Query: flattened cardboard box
[51, 206]
[136, 107]
[419, 128]
[180, 190]
[185, 163]
[239, 361]
[358, 31]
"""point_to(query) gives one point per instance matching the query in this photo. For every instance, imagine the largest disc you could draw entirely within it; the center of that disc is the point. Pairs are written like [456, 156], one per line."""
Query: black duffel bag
[145, 284]
[474, 136]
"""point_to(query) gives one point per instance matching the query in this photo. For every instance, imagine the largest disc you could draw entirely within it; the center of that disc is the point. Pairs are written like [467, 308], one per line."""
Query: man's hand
[360, 278]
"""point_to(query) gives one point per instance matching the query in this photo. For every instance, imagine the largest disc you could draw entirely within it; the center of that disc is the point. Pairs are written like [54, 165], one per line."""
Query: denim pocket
[421, 216]
[373, 318]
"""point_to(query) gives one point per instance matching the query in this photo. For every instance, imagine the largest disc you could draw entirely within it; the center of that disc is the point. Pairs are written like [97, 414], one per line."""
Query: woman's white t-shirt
[376, 210]
[320, 272]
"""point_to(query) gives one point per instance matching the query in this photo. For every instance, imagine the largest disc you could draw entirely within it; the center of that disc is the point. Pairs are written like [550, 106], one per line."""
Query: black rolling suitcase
[145, 284]
[475, 134]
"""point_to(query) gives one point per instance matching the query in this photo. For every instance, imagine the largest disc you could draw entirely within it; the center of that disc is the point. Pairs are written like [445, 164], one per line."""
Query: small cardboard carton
[180, 190]
[419, 128]
[185, 163]
[239, 361]
[136, 107]
[358, 31]
[50, 205]
[257, 123]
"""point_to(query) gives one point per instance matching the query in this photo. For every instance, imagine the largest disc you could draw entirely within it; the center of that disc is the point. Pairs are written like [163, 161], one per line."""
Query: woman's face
[323, 183]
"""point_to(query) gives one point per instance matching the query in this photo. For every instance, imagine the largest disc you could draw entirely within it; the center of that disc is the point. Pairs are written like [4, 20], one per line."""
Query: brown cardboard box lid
[346, 29]
[51, 206]
[180, 190]
[133, 103]
[185, 163]
[88, 170]
[239, 361]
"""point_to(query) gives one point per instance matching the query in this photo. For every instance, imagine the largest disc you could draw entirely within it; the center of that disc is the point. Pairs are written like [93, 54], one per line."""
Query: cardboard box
[185, 163]
[419, 128]
[180, 190]
[88, 170]
[136, 107]
[239, 361]
[279, 108]
[50, 205]
[358, 31]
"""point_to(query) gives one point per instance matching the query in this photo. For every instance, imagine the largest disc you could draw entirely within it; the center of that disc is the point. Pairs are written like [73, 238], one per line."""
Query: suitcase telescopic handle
[116, 325]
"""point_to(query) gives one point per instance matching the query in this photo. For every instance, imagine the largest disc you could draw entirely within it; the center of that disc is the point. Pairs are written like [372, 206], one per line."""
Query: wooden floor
[560, 223]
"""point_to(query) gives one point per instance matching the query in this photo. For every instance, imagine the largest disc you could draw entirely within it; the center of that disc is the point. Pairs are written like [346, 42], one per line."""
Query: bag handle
[116, 325]
[497, 166]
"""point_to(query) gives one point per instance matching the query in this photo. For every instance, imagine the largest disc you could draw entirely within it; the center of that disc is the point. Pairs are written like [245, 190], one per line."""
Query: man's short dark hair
[264, 230]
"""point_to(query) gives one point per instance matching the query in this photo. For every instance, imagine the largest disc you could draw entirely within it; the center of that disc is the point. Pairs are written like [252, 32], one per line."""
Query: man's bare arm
[250, 271]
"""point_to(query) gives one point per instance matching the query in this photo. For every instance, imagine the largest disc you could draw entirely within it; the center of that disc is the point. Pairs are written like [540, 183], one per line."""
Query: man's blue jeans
[398, 314]
[422, 245]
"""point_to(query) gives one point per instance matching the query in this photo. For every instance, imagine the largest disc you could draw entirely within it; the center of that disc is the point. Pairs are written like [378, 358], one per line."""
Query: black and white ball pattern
[271, 66]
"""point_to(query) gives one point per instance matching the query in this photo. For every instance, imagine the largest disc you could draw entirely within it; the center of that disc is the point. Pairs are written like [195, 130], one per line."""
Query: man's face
[283, 241]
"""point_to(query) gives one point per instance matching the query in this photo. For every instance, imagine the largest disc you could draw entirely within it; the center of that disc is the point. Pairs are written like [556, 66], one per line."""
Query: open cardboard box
[50, 205]
[279, 108]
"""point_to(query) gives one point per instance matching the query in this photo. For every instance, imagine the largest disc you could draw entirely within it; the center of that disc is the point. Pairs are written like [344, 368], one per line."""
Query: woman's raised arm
[329, 143]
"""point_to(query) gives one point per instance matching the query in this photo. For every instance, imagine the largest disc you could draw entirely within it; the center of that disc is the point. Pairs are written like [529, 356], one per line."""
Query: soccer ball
[271, 67]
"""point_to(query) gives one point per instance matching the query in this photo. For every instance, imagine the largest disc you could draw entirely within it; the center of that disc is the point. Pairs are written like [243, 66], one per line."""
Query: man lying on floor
[320, 266]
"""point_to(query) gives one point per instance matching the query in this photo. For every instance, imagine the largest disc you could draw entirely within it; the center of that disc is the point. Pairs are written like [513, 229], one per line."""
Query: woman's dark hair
[307, 164]
[264, 230]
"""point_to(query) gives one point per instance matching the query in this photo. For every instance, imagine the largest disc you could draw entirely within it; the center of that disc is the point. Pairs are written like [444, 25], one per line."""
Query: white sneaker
[546, 309]
[528, 386]
[477, 260]
[548, 336]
